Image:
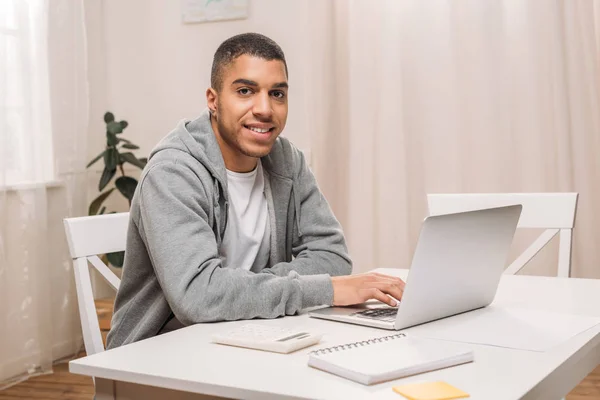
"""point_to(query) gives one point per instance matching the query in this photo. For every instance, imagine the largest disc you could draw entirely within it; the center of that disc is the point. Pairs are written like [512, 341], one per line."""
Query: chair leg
[564, 253]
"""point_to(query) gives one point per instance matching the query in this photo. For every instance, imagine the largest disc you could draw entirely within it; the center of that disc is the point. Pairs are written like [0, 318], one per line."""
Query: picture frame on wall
[198, 11]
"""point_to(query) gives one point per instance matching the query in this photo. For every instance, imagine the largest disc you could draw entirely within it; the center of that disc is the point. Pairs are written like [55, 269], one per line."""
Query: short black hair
[253, 44]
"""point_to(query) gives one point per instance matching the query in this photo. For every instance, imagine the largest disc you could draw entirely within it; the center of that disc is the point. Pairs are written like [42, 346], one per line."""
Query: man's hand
[356, 289]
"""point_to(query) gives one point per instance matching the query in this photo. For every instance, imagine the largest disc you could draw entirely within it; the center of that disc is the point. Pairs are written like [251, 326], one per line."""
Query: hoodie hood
[197, 139]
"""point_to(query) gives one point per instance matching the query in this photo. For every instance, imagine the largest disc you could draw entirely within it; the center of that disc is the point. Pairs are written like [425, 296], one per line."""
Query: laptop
[456, 268]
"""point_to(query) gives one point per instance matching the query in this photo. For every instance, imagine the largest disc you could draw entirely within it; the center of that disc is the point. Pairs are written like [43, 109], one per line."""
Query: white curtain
[43, 130]
[460, 96]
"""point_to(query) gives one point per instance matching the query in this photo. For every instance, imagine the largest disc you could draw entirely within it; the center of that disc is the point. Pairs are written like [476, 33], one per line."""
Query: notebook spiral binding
[347, 346]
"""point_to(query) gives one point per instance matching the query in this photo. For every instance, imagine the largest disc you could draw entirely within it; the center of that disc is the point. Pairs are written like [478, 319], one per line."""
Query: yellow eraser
[430, 391]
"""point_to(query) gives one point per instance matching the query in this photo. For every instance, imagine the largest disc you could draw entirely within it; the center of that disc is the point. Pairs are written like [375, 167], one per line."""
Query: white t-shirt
[247, 239]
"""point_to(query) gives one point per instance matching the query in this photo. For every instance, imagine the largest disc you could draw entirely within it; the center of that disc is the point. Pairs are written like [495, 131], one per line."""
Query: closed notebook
[389, 357]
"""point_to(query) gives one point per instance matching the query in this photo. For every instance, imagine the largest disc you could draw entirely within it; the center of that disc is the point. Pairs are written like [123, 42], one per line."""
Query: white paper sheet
[515, 328]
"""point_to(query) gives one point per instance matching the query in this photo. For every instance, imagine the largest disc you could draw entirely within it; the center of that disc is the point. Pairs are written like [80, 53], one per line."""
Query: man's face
[250, 110]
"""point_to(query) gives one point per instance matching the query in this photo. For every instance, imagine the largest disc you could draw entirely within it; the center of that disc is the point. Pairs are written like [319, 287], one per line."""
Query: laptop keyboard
[383, 314]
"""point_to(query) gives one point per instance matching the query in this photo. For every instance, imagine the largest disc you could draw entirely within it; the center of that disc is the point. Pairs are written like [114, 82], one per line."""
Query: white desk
[183, 363]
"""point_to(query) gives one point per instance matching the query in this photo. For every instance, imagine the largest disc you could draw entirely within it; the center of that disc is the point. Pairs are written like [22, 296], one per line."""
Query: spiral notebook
[389, 357]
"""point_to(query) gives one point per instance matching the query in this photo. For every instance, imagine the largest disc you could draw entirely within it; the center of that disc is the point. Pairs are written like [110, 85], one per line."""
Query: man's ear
[211, 100]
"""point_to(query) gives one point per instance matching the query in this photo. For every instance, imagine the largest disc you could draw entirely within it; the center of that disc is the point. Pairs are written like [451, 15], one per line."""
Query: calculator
[267, 338]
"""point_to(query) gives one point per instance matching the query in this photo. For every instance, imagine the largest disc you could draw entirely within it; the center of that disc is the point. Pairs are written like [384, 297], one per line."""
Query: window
[26, 153]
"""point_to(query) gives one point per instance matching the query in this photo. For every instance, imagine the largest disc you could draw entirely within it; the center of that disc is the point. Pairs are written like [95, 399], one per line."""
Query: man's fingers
[392, 289]
[386, 278]
[379, 295]
[381, 277]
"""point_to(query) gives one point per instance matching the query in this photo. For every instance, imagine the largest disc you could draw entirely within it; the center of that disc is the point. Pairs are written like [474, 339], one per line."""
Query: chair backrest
[88, 237]
[553, 211]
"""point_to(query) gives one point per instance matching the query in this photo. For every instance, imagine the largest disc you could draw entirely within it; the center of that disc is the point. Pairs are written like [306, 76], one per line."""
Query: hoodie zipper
[217, 211]
[296, 206]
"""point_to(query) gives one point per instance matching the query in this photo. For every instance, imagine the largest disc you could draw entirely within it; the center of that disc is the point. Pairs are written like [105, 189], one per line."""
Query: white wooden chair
[553, 211]
[88, 237]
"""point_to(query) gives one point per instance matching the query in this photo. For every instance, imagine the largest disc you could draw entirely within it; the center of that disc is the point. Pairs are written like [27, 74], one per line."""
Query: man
[227, 221]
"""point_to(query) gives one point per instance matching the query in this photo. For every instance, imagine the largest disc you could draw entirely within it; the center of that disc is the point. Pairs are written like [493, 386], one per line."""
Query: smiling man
[227, 221]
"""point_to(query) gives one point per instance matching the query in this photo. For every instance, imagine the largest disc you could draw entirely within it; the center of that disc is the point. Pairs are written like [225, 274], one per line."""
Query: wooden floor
[63, 385]
[59, 385]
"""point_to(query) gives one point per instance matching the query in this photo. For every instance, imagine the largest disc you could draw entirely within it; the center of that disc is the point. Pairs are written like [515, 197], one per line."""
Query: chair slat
[531, 251]
[97, 234]
[540, 210]
[112, 279]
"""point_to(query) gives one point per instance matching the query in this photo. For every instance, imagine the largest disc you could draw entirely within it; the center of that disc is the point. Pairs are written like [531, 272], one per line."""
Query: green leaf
[131, 159]
[126, 186]
[109, 117]
[107, 175]
[93, 210]
[124, 124]
[131, 146]
[116, 259]
[144, 160]
[111, 157]
[114, 127]
[124, 140]
[99, 156]
[102, 210]
[111, 139]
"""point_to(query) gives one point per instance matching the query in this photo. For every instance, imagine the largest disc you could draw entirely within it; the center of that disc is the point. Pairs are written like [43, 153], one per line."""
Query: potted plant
[115, 154]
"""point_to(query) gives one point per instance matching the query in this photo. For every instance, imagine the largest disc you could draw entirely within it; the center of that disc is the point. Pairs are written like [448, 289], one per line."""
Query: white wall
[151, 69]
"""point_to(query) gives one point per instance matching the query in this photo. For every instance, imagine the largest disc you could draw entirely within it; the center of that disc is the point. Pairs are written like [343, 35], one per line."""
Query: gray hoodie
[178, 218]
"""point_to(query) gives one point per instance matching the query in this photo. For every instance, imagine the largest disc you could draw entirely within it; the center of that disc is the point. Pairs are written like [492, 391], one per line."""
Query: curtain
[43, 131]
[460, 96]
